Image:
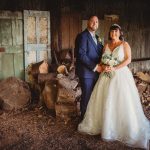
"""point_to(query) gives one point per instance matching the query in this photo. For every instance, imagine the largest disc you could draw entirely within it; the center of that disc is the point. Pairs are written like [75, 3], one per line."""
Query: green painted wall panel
[7, 66]
[11, 38]
[5, 32]
[18, 63]
[17, 26]
[14, 49]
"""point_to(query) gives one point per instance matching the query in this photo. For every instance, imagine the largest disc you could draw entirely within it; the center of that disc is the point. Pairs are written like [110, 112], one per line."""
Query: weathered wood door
[11, 44]
[36, 36]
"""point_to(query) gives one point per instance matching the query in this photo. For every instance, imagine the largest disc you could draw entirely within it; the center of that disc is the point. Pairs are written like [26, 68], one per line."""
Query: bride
[114, 109]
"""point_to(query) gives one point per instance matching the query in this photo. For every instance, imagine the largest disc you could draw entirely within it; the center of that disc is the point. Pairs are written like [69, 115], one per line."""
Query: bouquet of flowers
[109, 60]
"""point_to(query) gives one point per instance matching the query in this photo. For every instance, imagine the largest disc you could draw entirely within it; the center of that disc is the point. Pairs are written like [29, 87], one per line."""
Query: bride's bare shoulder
[125, 44]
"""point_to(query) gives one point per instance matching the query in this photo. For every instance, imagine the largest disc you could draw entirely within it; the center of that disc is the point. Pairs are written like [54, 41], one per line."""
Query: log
[66, 95]
[42, 78]
[62, 69]
[43, 68]
[65, 111]
[33, 68]
[33, 71]
[144, 77]
[141, 87]
[14, 93]
[50, 93]
[67, 83]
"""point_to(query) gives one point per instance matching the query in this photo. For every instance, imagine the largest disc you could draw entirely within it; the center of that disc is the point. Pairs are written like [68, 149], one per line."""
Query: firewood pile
[60, 90]
[68, 95]
[143, 84]
[57, 84]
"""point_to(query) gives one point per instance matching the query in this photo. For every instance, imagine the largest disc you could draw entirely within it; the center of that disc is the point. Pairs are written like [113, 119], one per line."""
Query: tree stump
[14, 93]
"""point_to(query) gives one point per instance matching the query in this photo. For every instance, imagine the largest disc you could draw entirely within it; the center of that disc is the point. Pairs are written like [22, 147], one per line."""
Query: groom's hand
[99, 68]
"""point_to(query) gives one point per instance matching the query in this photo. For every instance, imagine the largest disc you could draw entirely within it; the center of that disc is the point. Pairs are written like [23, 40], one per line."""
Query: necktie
[95, 40]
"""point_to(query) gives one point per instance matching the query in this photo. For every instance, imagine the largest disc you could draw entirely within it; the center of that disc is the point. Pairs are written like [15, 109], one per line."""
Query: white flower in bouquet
[109, 60]
[112, 62]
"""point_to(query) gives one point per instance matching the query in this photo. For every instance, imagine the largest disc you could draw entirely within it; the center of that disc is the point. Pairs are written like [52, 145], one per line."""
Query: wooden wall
[67, 15]
[70, 26]
[134, 19]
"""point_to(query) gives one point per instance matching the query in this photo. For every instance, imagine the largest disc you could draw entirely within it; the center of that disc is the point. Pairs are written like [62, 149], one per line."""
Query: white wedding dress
[114, 109]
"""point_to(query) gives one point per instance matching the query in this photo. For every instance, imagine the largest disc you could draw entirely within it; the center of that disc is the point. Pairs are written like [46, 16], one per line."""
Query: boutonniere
[99, 40]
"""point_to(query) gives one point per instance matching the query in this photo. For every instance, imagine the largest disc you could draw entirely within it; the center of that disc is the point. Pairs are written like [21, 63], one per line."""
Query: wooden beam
[140, 59]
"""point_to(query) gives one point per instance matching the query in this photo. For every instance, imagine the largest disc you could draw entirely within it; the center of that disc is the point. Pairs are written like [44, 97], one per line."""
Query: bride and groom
[110, 103]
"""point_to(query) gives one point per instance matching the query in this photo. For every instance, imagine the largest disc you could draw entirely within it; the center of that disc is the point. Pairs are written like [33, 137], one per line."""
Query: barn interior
[36, 33]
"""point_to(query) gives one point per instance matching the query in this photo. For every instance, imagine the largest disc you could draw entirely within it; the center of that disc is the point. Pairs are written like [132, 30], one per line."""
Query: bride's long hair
[115, 27]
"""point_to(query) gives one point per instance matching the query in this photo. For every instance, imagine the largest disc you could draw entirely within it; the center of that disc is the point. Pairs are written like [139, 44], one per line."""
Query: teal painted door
[36, 36]
[11, 45]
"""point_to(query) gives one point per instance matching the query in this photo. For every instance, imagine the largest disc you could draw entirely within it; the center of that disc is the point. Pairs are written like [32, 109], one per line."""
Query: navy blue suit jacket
[88, 55]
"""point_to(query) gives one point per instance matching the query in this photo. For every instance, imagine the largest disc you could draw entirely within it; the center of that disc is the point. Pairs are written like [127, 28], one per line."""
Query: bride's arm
[127, 60]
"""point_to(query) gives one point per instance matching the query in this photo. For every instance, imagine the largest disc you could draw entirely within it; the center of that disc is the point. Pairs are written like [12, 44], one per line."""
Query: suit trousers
[87, 85]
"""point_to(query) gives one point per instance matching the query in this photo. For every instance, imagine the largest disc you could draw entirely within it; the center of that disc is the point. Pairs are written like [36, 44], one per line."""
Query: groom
[88, 53]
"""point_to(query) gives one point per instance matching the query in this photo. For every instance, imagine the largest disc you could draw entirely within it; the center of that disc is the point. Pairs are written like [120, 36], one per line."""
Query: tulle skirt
[115, 111]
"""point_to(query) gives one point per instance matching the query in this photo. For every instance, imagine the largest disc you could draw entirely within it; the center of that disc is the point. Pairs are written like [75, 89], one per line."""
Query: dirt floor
[35, 128]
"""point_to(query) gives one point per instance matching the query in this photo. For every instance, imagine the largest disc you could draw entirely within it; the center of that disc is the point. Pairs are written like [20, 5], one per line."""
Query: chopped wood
[42, 78]
[50, 93]
[143, 88]
[33, 68]
[67, 83]
[66, 95]
[62, 69]
[43, 68]
[145, 77]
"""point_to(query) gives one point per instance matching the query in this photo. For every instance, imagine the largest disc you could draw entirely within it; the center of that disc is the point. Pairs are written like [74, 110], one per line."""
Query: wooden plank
[31, 30]
[140, 66]
[65, 29]
[146, 37]
[75, 28]
[7, 65]
[11, 40]
[43, 55]
[6, 36]
[43, 25]
[70, 27]
[17, 33]
[10, 15]
[14, 48]
[30, 56]
[18, 63]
